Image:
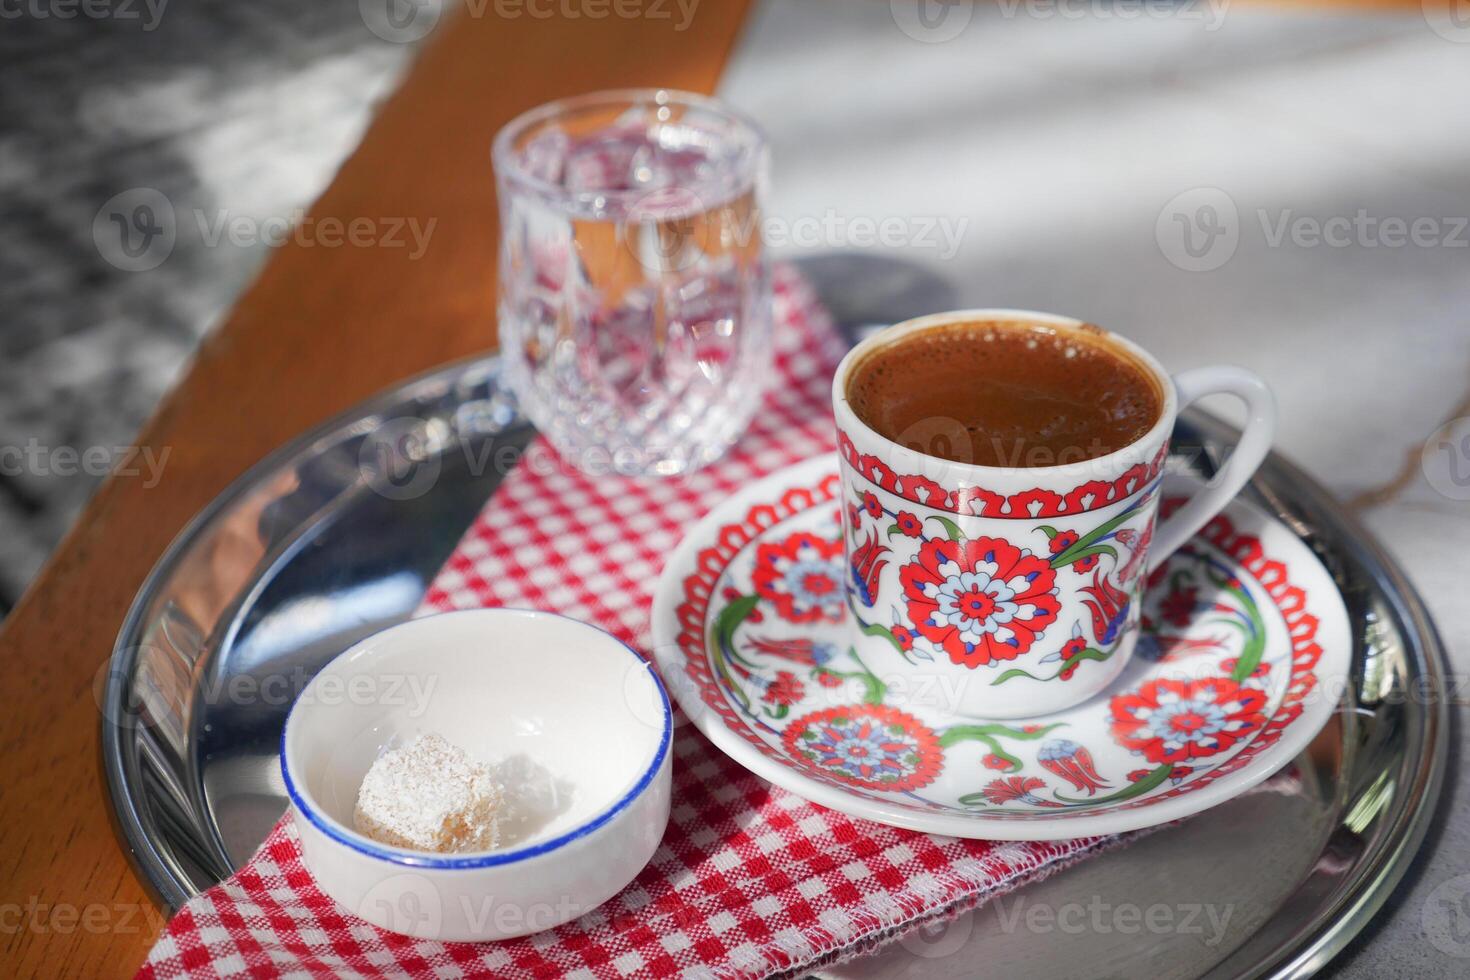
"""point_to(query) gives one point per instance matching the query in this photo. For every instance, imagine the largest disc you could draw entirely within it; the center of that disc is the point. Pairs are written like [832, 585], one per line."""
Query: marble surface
[1079, 149]
[243, 110]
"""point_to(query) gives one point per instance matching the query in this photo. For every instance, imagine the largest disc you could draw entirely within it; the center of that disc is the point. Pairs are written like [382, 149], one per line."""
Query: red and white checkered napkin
[750, 880]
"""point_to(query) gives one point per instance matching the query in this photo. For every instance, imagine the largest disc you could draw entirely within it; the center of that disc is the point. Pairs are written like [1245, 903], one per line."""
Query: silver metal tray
[338, 534]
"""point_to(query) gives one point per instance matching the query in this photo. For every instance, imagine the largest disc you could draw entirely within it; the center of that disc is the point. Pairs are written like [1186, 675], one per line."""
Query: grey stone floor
[244, 108]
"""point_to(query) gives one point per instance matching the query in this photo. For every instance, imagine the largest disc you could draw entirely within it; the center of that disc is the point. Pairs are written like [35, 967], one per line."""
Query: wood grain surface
[322, 328]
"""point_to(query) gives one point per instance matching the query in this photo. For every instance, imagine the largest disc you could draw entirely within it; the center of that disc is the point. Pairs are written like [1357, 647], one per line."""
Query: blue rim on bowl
[416, 859]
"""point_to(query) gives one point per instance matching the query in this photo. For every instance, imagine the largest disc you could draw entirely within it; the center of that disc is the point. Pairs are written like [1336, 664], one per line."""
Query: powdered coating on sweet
[429, 796]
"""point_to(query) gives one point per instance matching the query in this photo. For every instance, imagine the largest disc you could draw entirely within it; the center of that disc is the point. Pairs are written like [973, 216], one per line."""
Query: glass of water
[635, 294]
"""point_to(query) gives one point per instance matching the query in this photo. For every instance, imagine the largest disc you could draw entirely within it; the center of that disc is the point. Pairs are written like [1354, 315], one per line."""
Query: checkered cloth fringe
[750, 880]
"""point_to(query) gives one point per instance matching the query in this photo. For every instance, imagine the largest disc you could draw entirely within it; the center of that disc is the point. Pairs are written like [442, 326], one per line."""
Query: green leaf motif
[1083, 546]
[1254, 627]
[1250, 657]
[950, 527]
[1153, 779]
[990, 736]
[878, 629]
[1097, 549]
[722, 636]
[1087, 653]
[874, 690]
[732, 616]
[1015, 672]
[986, 733]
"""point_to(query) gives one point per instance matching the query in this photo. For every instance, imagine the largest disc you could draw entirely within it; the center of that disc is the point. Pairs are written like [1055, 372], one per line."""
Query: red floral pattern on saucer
[1236, 631]
[872, 746]
[1170, 721]
[802, 577]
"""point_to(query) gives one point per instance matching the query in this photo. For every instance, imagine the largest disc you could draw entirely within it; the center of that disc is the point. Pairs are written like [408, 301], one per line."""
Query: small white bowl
[546, 692]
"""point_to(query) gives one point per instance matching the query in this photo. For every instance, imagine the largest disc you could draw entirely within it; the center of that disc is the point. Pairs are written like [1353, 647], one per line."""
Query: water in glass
[635, 309]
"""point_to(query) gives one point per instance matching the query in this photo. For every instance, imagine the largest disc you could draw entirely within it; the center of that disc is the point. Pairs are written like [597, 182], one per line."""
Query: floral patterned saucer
[1242, 659]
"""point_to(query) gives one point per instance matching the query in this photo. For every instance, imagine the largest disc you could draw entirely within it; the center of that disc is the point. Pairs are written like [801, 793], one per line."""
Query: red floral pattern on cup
[978, 501]
[980, 599]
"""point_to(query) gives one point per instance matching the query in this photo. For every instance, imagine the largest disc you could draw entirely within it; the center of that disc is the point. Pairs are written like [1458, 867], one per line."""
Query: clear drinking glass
[635, 294]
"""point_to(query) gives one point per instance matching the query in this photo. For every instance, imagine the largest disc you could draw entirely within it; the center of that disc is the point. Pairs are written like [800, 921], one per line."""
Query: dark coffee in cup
[1006, 393]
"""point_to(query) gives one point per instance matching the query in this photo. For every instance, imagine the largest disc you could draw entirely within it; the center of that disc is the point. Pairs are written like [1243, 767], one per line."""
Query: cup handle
[1255, 443]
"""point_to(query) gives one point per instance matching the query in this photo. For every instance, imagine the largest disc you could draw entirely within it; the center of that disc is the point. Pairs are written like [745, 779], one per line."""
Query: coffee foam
[1006, 393]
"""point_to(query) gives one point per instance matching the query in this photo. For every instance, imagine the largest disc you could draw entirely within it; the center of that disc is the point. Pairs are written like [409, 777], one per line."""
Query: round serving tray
[338, 534]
